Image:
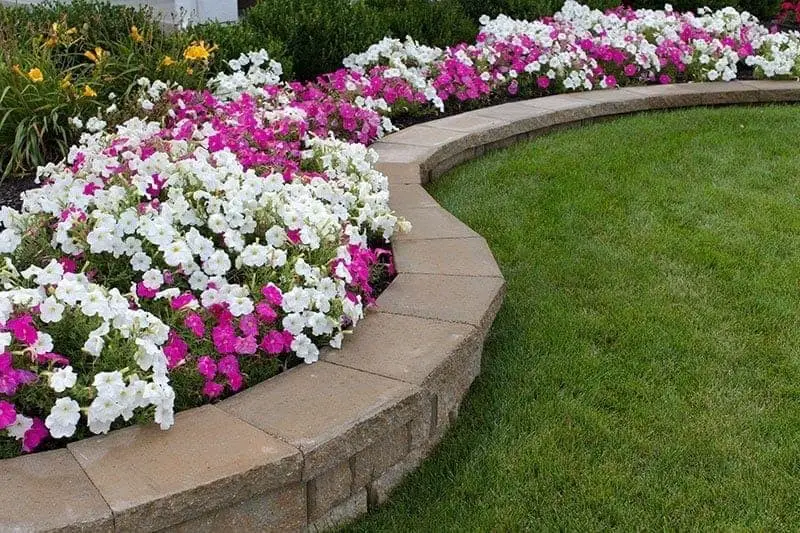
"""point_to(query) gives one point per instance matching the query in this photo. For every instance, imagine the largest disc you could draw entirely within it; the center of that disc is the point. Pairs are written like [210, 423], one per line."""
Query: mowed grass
[644, 371]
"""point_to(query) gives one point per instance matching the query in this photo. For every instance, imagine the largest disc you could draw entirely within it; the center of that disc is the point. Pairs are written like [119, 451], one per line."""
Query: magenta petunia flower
[195, 324]
[207, 367]
[8, 414]
[34, 436]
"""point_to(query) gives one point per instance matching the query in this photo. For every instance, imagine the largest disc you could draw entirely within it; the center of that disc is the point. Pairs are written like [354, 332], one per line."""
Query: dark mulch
[13, 187]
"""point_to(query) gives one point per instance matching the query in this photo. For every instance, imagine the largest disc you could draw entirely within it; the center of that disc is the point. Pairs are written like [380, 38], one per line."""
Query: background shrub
[317, 34]
[435, 23]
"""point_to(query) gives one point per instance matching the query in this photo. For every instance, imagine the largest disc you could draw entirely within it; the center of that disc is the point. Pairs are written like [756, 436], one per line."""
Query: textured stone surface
[340, 515]
[328, 411]
[432, 296]
[403, 347]
[402, 163]
[329, 489]
[49, 492]
[280, 510]
[152, 479]
[433, 223]
[456, 257]
[379, 489]
[775, 91]
[405, 197]
[374, 460]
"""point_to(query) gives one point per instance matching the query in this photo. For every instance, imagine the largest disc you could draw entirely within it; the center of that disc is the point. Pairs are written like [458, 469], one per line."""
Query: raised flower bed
[319, 442]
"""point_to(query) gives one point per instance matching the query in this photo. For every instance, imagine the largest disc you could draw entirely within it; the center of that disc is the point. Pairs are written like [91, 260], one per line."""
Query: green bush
[317, 34]
[435, 23]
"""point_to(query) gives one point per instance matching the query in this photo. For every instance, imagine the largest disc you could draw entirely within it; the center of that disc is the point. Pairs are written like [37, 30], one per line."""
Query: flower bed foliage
[220, 234]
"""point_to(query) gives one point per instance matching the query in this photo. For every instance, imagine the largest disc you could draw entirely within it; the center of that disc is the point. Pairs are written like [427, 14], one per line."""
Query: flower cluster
[200, 249]
[177, 258]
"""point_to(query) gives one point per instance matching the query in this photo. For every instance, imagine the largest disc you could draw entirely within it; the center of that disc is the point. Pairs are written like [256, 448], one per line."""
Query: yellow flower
[88, 92]
[135, 35]
[66, 82]
[51, 41]
[198, 51]
[97, 56]
[35, 75]
[167, 61]
[189, 71]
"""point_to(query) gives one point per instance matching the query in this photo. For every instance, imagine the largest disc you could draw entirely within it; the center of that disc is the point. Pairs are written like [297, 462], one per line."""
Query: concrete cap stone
[402, 347]
[49, 491]
[468, 299]
[327, 411]
[455, 257]
[410, 197]
[433, 223]
[152, 479]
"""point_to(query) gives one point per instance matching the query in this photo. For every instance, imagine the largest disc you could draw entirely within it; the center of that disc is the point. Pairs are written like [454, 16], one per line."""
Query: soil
[11, 189]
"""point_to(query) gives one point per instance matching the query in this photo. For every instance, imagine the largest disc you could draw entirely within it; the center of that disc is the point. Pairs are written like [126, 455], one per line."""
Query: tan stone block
[328, 411]
[342, 514]
[433, 223]
[612, 102]
[468, 299]
[374, 460]
[380, 488]
[456, 257]
[281, 510]
[404, 197]
[329, 489]
[403, 163]
[666, 96]
[402, 173]
[403, 347]
[50, 492]
[724, 92]
[426, 135]
[775, 90]
[153, 479]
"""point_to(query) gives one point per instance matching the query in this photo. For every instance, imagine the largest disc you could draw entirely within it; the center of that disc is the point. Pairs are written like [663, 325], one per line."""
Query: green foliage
[317, 34]
[440, 23]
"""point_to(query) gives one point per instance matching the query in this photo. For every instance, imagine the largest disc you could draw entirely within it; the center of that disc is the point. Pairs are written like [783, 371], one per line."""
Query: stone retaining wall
[321, 444]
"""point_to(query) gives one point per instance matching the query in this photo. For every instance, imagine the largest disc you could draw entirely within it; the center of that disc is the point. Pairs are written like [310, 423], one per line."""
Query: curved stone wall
[321, 444]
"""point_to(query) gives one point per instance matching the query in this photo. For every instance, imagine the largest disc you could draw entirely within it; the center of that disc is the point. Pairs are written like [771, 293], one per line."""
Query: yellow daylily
[88, 92]
[66, 82]
[167, 61]
[35, 75]
[135, 35]
[97, 56]
[198, 51]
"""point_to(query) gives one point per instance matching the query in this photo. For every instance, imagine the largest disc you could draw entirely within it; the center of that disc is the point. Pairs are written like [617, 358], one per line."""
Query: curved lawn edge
[320, 444]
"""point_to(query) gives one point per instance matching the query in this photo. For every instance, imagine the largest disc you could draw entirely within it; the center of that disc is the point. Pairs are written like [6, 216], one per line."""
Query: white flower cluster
[250, 73]
[67, 296]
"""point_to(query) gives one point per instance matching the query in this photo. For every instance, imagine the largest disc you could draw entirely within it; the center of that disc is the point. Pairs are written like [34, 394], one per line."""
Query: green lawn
[644, 371]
